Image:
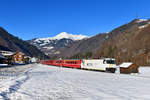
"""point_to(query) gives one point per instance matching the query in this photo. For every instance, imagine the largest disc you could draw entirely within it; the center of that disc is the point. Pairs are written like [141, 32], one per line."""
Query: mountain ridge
[9, 42]
[130, 43]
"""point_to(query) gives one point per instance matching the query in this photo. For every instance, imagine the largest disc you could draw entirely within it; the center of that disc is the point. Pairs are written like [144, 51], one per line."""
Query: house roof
[125, 64]
[27, 57]
[6, 53]
[19, 53]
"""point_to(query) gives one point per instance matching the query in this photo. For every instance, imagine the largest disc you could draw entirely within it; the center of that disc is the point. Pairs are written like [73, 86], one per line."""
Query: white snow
[57, 52]
[69, 36]
[3, 65]
[63, 35]
[107, 36]
[144, 71]
[125, 64]
[144, 26]
[142, 20]
[141, 27]
[42, 44]
[43, 82]
[48, 48]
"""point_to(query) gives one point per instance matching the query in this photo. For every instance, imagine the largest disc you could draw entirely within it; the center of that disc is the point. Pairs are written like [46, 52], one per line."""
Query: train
[106, 64]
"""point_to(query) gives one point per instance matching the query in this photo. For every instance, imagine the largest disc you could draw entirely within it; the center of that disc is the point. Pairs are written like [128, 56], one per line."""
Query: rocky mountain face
[9, 42]
[53, 46]
[130, 42]
[78, 48]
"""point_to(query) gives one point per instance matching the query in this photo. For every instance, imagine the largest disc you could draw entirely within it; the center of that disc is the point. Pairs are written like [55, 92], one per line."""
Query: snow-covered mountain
[51, 45]
[69, 36]
[63, 35]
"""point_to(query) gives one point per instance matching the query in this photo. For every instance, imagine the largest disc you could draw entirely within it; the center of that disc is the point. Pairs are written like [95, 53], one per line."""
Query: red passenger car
[72, 63]
[57, 62]
[50, 62]
[63, 63]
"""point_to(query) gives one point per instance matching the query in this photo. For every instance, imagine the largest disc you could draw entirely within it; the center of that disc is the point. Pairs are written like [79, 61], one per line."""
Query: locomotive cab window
[110, 61]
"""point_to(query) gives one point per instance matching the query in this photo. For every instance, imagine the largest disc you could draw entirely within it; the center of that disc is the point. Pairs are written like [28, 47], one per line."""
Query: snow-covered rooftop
[2, 65]
[125, 64]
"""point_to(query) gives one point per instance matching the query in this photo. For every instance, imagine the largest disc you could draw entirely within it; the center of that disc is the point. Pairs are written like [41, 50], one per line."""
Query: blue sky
[29, 19]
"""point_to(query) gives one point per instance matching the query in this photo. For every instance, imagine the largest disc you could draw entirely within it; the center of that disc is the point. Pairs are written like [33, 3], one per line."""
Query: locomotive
[106, 64]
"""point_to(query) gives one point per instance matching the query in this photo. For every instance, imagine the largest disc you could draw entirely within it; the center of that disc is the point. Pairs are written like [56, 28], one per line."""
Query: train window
[71, 62]
[68, 62]
[110, 61]
[58, 62]
[89, 64]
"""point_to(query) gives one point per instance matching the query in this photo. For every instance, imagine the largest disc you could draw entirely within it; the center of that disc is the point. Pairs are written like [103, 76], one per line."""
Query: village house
[12, 57]
[128, 68]
[18, 57]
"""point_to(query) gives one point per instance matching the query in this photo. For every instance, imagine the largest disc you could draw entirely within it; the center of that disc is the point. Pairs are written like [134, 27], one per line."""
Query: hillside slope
[83, 46]
[130, 43]
[11, 43]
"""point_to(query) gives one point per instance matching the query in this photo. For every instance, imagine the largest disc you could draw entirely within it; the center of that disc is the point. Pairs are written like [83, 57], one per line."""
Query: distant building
[2, 59]
[34, 60]
[19, 57]
[8, 55]
[128, 68]
[27, 59]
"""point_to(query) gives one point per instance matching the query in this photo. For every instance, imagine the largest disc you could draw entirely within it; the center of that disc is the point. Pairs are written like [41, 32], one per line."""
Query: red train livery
[63, 63]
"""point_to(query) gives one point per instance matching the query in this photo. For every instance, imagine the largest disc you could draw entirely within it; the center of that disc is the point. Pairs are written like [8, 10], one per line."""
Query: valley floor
[43, 82]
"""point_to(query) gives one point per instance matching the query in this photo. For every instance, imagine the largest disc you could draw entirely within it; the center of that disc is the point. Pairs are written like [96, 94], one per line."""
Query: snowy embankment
[144, 71]
[42, 82]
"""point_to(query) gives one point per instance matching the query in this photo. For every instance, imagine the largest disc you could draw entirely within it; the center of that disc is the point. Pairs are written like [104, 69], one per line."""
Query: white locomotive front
[107, 64]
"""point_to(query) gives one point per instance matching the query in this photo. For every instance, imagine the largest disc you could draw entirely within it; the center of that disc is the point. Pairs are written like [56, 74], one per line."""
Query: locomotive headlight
[111, 65]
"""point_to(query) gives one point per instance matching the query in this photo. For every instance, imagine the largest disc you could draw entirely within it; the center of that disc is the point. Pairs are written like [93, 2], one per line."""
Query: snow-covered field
[43, 82]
